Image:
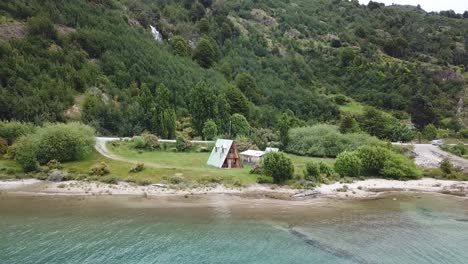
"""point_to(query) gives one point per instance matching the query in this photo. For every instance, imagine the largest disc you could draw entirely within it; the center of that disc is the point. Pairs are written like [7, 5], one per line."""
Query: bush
[110, 179]
[326, 141]
[257, 169]
[3, 146]
[400, 167]
[373, 159]
[312, 170]
[63, 142]
[464, 132]
[265, 179]
[183, 144]
[210, 130]
[348, 164]
[24, 151]
[278, 166]
[446, 166]
[11, 130]
[379, 161]
[244, 143]
[144, 182]
[316, 170]
[138, 142]
[54, 164]
[137, 168]
[150, 141]
[100, 169]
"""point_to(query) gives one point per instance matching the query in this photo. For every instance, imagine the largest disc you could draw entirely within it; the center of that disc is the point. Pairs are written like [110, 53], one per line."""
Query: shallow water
[224, 229]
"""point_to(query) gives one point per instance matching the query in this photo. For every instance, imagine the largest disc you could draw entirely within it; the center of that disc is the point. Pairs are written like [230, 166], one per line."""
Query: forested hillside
[229, 62]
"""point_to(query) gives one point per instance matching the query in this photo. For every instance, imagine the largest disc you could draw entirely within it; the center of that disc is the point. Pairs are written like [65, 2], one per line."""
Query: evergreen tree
[197, 11]
[246, 83]
[237, 101]
[284, 124]
[239, 126]
[205, 53]
[348, 124]
[148, 115]
[180, 46]
[202, 106]
[210, 130]
[422, 112]
[222, 114]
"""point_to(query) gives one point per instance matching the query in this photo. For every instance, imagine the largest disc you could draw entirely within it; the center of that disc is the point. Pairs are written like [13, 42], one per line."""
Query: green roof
[219, 152]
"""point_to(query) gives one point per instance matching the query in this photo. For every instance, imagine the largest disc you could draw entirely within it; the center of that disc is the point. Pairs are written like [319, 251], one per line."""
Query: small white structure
[271, 150]
[251, 156]
[254, 157]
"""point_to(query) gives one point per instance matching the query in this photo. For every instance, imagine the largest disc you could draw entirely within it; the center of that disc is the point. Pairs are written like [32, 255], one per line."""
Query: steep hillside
[220, 57]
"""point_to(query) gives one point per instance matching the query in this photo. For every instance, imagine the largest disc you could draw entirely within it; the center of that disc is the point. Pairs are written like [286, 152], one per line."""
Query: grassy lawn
[352, 107]
[193, 164]
[160, 167]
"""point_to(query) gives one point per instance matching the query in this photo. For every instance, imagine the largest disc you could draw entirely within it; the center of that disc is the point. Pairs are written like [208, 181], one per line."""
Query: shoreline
[365, 189]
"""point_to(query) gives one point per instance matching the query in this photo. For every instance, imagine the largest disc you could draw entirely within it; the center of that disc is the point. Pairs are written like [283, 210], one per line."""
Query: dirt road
[429, 156]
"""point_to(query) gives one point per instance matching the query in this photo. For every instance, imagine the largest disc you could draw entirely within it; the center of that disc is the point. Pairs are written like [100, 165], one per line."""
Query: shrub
[182, 144]
[278, 166]
[24, 151]
[210, 130]
[430, 132]
[138, 142]
[373, 159]
[144, 182]
[109, 179]
[54, 164]
[150, 141]
[137, 168]
[348, 164]
[312, 170]
[446, 166]
[257, 169]
[326, 141]
[11, 130]
[63, 142]
[3, 146]
[265, 179]
[244, 143]
[464, 132]
[400, 167]
[316, 170]
[100, 169]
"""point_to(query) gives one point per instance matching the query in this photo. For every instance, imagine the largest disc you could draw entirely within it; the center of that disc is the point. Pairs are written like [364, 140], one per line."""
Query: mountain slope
[300, 53]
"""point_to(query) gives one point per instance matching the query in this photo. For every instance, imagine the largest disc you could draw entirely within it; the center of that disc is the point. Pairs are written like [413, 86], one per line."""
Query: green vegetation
[326, 141]
[316, 78]
[258, 59]
[458, 149]
[277, 166]
[60, 142]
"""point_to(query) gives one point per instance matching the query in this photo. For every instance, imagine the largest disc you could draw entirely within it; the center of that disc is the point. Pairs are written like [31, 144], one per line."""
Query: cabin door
[229, 163]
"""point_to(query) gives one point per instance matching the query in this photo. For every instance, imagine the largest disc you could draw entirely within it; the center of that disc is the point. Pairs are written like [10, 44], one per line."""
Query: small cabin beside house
[254, 157]
[225, 155]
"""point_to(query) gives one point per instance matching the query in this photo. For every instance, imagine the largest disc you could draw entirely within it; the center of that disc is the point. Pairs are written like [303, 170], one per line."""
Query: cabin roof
[219, 152]
[253, 153]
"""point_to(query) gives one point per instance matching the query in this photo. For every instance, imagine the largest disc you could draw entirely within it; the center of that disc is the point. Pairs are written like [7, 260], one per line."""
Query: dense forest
[190, 66]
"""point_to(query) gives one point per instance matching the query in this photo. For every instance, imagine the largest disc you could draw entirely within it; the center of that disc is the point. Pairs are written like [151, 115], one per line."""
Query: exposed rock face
[12, 30]
[447, 74]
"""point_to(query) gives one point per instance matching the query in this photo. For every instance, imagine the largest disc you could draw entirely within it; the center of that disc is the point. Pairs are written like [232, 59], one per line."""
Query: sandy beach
[358, 189]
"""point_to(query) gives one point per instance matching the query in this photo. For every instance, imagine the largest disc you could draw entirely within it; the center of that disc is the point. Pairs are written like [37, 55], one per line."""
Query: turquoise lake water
[397, 229]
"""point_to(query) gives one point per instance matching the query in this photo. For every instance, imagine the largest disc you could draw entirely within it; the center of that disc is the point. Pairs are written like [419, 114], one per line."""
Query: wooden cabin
[225, 155]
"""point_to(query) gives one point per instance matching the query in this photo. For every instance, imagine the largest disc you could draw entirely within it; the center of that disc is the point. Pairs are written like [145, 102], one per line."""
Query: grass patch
[352, 107]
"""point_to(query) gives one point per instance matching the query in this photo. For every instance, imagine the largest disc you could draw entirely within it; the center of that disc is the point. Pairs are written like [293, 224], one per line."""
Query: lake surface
[224, 229]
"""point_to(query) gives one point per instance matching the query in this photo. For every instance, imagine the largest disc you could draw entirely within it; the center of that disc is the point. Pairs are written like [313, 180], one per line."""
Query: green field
[160, 167]
[193, 164]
